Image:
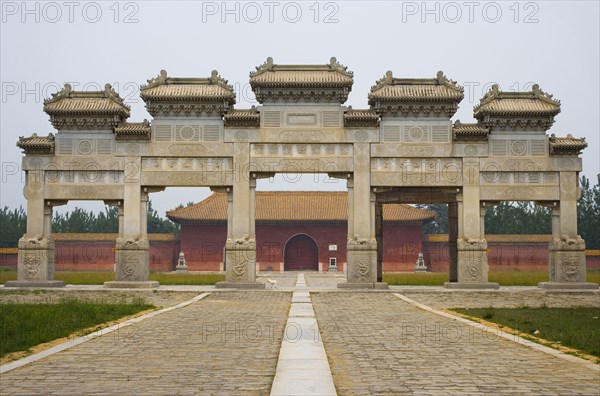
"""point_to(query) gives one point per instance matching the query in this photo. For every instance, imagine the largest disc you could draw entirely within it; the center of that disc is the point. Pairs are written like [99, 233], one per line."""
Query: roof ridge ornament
[65, 92]
[156, 81]
[216, 79]
[544, 96]
[387, 79]
[267, 66]
[334, 65]
[443, 80]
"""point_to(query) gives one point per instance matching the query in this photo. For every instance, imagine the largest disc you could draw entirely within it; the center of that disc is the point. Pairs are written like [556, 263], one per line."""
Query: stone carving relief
[31, 265]
[362, 268]
[471, 243]
[570, 267]
[38, 241]
[472, 270]
[566, 242]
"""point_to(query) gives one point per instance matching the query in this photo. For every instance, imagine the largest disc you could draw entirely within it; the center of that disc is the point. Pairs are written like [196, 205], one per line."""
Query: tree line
[529, 218]
[13, 223]
[505, 218]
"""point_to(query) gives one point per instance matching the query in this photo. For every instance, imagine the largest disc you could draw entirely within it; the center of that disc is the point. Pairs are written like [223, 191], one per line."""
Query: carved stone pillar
[472, 263]
[362, 244]
[240, 247]
[132, 245]
[567, 267]
[452, 237]
[35, 265]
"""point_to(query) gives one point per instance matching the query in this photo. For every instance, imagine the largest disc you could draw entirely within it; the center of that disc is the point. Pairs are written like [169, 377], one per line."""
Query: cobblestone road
[379, 344]
[225, 344]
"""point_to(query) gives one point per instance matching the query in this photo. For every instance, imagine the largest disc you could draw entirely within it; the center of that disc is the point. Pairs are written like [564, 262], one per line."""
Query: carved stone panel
[416, 172]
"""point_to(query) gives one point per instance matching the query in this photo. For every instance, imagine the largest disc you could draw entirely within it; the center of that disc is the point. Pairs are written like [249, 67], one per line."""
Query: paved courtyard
[228, 343]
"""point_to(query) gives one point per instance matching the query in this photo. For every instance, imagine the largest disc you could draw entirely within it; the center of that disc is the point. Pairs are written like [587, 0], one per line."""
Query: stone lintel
[40, 284]
[363, 285]
[240, 285]
[471, 286]
[568, 285]
[131, 284]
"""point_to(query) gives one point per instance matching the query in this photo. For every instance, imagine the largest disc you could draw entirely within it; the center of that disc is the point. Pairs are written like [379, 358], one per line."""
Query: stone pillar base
[363, 285]
[567, 261]
[362, 261]
[131, 284]
[472, 286]
[40, 284]
[240, 259]
[240, 285]
[132, 260]
[568, 286]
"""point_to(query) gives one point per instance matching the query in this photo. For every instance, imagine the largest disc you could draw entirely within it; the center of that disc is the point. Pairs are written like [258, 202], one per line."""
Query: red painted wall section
[401, 246]
[271, 241]
[203, 246]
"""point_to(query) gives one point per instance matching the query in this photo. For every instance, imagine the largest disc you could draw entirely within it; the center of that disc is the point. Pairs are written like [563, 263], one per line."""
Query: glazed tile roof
[471, 131]
[242, 118]
[438, 89]
[37, 144]
[533, 103]
[332, 75]
[566, 145]
[362, 117]
[293, 206]
[69, 102]
[134, 127]
[164, 88]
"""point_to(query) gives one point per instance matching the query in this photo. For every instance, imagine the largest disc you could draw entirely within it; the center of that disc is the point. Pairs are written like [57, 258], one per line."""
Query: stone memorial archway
[404, 148]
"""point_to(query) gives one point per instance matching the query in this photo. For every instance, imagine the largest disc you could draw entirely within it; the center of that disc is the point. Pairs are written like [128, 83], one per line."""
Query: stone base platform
[364, 285]
[568, 286]
[131, 284]
[472, 286]
[240, 285]
[18, 283]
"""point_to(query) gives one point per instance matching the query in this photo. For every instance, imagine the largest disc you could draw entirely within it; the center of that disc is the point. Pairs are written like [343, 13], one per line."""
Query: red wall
[401, 246]
[203, 246]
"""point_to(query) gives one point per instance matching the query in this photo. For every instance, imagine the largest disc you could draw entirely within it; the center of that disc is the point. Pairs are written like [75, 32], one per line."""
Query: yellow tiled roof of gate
[294, 206]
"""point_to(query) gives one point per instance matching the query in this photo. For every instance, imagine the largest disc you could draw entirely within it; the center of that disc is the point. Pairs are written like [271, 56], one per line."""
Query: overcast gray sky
[86, 43]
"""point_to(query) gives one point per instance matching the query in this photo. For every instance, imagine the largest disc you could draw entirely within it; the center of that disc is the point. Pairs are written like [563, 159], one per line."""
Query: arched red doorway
[301, 253]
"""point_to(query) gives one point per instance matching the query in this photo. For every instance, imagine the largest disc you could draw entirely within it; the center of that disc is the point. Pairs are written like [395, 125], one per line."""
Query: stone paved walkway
[228, 344]
[225, 344]
[379, 344]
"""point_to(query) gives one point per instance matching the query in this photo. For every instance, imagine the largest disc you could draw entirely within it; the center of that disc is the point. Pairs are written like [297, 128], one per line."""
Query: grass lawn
[572, 327]
[98, 278]
[504, 278]
[23, 326]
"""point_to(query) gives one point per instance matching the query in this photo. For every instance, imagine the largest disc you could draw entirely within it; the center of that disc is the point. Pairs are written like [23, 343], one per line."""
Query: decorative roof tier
[413, 97]
[360, 118]
[302, 206]
[133, 131]
[69, 109]
[329, 83]
[166, 95]
[469, 132]
[249, 118]
[37, 144]
[566, 145]
[517, 110]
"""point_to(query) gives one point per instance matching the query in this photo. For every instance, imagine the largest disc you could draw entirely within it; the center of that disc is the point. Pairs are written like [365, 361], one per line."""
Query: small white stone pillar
[181, 266]
[420, 264]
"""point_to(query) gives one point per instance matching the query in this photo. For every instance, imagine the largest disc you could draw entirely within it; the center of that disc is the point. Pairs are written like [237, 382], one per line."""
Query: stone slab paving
[506, 297]
[302, 368]
[379, 344]
[225, 344]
